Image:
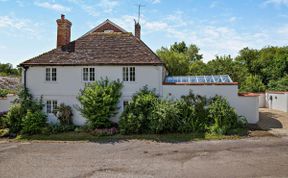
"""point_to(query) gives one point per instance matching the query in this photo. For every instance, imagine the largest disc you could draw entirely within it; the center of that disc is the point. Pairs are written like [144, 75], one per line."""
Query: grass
[83, 136]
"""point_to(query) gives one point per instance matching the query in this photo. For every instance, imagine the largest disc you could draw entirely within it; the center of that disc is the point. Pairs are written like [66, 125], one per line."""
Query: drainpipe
[25, 74]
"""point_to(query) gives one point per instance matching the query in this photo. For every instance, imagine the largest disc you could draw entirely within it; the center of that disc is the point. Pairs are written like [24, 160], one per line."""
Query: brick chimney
[63, 31]
[137, 30]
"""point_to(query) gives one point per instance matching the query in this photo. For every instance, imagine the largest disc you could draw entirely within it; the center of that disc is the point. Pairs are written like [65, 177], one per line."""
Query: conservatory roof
[206, 79]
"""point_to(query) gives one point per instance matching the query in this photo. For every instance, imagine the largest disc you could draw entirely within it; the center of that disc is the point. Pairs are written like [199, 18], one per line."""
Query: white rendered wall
[6, 102]
[245, 106]
[278, 102]
[262, 100]
[69, 82]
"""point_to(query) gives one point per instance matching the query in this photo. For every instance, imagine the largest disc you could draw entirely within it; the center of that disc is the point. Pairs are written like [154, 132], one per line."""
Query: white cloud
[3, 47]
[155, 1]
[214, 4]
[283, 30]
[232, 19]
[108, 5]
[15, 27]
[53, 6]
[276, 2]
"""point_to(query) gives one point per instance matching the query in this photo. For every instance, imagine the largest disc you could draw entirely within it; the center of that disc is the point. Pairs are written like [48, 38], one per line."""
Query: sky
[217, 27]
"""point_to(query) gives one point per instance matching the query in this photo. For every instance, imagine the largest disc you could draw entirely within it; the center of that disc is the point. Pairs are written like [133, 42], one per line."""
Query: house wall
[278, 102]
[69, 82]
[6, 102]
[245, 106]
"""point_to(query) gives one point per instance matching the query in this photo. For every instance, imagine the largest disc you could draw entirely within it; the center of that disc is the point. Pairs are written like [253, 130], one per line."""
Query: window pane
[92, 74]
[125, 103]
[125, 74]
[54, 74]
[85, 74]
[132, 73]
[48, 106]
[47, 74]
[54, 105]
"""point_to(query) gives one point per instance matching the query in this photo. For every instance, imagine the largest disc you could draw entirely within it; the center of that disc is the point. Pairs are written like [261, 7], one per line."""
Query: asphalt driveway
[251, 157]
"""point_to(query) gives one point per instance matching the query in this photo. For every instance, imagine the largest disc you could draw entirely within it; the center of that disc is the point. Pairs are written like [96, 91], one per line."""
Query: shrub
[3, 92]
[18, 111]
[3, 123]
[99, 102]
[223, 116]
[64, 114]
[14, 118]
[134, 119]
[164, 117]
[252, 84]
[32, 123]
[57, 128]
[193, 113]
[279, 85]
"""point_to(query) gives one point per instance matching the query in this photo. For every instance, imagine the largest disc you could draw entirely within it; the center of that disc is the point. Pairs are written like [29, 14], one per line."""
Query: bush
[3, 123]
[193, 113]
[223, 116]
[19, 110]
[252, 84]
[14, 118]
[279, 85]
[3, 92]
[64, 114]
[164, 117]
[57, 128]
[32, 123]
[99, 102]
[134, 119]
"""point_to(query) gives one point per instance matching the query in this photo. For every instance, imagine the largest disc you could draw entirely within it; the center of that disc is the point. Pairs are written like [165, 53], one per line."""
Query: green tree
[225, 65]
[279, 85]
[179, 57]
[252, 83]
[7, 70]
[99, 102]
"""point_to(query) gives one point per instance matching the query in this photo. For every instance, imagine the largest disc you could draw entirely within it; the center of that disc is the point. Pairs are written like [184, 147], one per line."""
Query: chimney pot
[63, 31]
[137, 30]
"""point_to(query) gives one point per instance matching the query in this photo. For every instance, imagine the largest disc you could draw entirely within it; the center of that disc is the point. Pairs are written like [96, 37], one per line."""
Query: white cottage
[109, 51]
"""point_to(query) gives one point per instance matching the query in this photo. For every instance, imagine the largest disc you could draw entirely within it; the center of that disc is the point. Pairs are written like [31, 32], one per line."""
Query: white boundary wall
[262, 100]
[6, 102]
[245, 106]
[277, 101]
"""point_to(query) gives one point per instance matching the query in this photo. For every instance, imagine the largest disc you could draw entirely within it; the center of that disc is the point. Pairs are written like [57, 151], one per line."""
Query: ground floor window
[51, 105]
[125, 103]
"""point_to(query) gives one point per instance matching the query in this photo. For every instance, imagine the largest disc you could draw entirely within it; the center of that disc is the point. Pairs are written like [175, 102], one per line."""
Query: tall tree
[179, 57]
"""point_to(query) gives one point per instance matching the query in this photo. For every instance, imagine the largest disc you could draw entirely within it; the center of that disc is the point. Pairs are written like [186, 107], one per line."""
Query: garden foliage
[190, 114]
[99, 102]
[134, 119]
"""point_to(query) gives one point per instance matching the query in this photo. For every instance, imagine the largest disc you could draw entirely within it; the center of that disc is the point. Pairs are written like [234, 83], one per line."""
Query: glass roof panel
[199, 79]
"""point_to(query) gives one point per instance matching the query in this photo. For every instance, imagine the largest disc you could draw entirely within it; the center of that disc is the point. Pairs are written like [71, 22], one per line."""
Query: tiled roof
[100, 48]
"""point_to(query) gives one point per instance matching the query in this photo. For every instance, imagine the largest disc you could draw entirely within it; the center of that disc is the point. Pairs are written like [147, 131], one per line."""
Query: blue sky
[217, 27]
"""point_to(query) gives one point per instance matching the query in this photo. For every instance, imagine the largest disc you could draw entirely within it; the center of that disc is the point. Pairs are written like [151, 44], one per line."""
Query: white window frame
[129, 74]
[51, 105]
[88, 74]
[51, 74]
